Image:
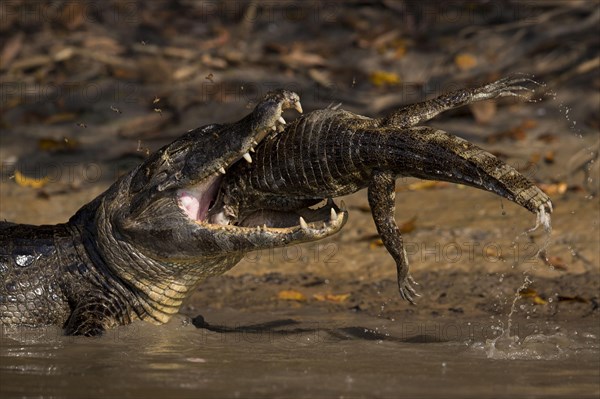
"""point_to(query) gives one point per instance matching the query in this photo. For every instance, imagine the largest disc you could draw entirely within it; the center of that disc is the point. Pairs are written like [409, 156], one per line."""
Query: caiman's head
[162, 208]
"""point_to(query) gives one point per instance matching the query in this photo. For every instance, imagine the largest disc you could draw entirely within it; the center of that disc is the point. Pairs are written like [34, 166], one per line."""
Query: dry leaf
[291, 295]
[538, 300]
[549, 157]
[408, 226]
[554, 188]
[492, 252]
[383, 78]
[337, 298]
[32, 182]
[548, 138]
[465, 61]
[59, 118]
[556, 262]
[535, 297]
[376, 243]
[53, 145]
[299, 58]
[423, 185]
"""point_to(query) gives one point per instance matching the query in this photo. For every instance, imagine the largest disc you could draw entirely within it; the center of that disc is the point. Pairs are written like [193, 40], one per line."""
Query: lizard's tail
[433, 154]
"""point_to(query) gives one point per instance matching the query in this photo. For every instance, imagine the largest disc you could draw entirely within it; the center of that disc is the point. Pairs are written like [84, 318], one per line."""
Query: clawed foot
[514, 85]
[407, 291]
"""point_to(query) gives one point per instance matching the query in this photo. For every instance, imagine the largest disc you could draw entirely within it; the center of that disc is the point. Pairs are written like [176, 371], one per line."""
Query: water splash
[532, 347]
[536, 346]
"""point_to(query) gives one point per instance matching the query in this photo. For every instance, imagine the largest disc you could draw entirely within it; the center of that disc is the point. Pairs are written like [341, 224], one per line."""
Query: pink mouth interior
[195, 201]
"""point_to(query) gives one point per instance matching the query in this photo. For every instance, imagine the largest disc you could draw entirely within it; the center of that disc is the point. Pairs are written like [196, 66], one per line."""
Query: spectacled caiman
[196, 206]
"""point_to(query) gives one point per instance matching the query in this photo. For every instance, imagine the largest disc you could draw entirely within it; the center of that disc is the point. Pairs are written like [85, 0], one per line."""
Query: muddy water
[315, 356]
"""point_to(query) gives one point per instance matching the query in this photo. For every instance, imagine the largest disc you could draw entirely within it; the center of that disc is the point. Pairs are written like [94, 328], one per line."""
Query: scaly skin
[137, 250]
[329, 153]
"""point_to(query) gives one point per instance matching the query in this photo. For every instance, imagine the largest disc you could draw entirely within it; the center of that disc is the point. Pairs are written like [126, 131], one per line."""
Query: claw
[406, 296]
[411, 280]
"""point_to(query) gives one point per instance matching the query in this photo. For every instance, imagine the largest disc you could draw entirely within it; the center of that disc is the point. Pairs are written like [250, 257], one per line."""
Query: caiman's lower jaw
[196, 202]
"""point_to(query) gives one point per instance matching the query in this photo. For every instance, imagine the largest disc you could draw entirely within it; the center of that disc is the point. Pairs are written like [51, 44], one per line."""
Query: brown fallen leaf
[300, 58]
[55, 145]
[547, 138]
[25, 181]
[538, 300]
[465, 61]
[535, 297]
[493, 252]
[383, 78]
[376, 243]
[549, 157]
[291, 295]
[60, 118]
[409, 225]
[555, 262]
[423, 185]
[337, 298]
[554, 188]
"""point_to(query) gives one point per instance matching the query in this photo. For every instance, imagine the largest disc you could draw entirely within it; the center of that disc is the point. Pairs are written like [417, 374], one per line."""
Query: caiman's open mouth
[197, 203]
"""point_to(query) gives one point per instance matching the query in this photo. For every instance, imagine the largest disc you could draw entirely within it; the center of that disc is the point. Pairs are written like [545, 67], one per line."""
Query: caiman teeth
[252, 149]
[222, 170]
[298, 107]
[332, 215]
[274, 128]
[281, 120]
[342, 206]
[247, 157]
[303, 223]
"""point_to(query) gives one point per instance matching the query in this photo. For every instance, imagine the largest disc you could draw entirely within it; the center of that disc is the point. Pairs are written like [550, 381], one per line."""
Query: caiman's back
[32, 274]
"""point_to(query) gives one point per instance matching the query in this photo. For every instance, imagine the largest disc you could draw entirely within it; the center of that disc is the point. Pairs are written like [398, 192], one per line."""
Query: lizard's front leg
[382, 201]
[414, 114]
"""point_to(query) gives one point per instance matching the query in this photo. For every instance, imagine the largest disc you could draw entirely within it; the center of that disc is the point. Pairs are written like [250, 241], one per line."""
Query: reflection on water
[352, 357]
